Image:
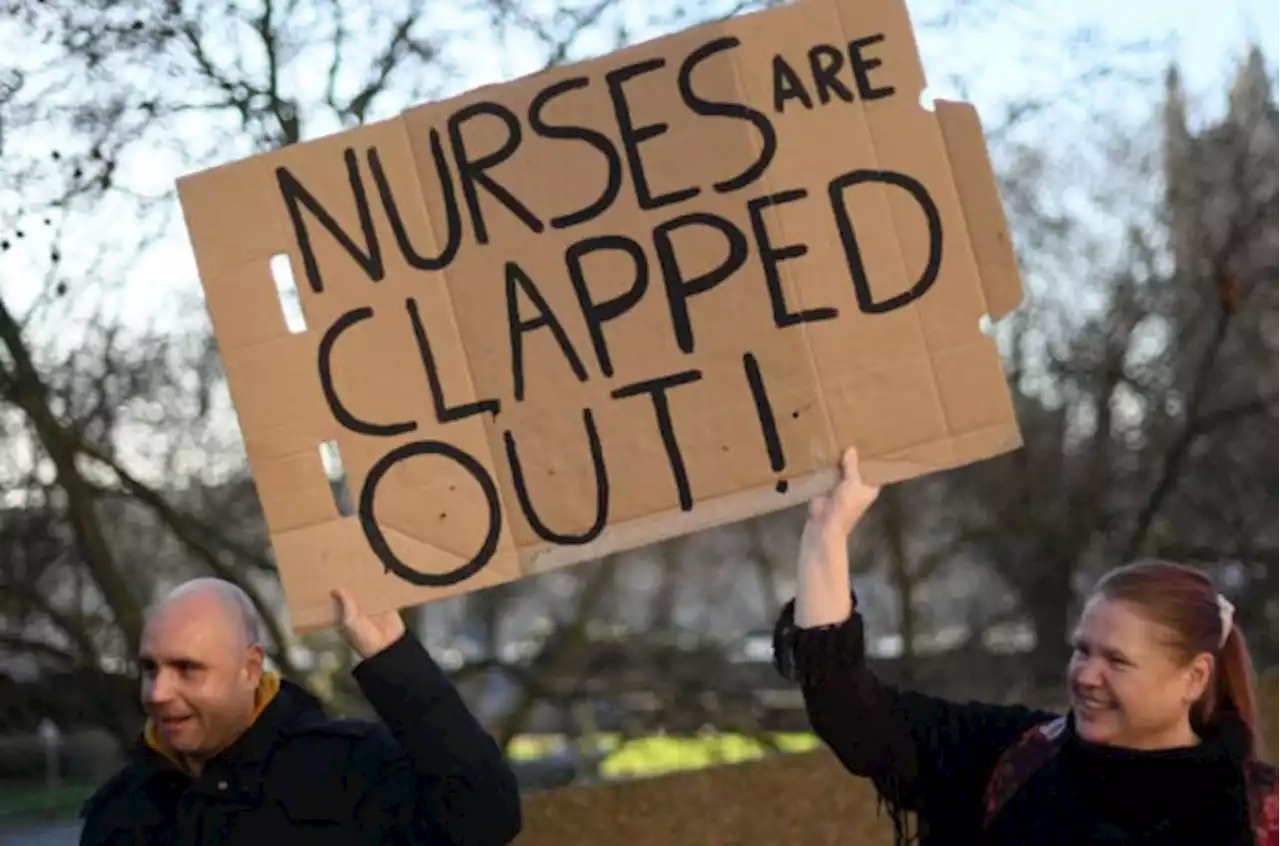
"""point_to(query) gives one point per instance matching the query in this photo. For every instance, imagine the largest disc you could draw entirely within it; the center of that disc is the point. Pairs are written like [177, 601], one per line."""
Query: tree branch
[31, 395]
[191, 538]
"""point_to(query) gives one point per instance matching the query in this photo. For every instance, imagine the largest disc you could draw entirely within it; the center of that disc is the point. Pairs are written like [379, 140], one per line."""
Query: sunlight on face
[1126, 685]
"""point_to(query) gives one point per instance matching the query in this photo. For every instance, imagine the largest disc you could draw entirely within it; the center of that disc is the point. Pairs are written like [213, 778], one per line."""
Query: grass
[658, 754]
[38, 802]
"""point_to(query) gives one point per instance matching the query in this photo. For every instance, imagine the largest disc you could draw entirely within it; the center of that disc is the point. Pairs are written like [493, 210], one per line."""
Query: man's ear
[255, 660]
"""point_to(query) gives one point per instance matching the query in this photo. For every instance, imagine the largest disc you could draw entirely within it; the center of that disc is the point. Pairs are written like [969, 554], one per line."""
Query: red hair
[1185, 601]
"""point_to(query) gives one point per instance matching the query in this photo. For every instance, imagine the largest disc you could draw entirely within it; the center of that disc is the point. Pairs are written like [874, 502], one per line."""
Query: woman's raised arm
[923, 754]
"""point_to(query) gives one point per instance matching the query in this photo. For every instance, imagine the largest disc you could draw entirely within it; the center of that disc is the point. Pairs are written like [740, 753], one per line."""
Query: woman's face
[1127, 685]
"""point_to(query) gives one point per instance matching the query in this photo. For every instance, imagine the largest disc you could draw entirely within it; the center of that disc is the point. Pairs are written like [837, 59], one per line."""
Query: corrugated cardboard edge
[984, 215]
[987, 230]
[989, 239]
[665, 525]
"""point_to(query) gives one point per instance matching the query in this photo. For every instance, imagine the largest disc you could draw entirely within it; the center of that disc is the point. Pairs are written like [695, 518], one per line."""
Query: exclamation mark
[764, 411]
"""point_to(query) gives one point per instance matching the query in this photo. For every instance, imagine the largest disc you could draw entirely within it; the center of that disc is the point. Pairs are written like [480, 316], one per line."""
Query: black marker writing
[475, 172]
[378, 541]
[453, 220]
[826, 69]
[444, 412]
[598, 140]
[768, 424]
[518, 280]
[297, 197]
[680, 288]
[787, 85]
[862, 67]
[825, 63]
[602, 489]
[632, 136]
[472, 146]
[771, 257]
[324, 364]
[657, 390]
[738, 111]
[853, 254]
[597, 314]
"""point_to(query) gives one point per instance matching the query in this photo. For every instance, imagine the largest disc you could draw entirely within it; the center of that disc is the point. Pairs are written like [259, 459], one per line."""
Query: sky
[1019, 53]
[1205, 39]
[1208, 37]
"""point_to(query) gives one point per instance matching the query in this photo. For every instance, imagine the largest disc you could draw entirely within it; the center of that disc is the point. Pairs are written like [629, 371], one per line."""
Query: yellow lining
[267, 690]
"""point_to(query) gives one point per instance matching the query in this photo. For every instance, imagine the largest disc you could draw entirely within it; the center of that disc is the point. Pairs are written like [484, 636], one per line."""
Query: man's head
[201, 662]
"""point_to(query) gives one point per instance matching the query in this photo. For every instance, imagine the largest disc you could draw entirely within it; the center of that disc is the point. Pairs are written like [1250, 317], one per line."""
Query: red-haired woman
[1159, 747]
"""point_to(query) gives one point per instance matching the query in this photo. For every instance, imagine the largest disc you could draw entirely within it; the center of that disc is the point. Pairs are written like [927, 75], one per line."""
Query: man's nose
[157, 688]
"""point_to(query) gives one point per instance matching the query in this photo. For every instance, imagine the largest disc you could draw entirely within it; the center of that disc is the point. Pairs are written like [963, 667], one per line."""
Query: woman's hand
[822, 578]
[833, 516]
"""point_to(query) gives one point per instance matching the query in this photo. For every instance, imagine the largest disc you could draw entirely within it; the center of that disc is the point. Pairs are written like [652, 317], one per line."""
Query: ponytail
[1232, 689]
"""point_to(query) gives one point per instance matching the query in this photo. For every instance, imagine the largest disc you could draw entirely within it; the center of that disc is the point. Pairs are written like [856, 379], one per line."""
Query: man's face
[199, 676]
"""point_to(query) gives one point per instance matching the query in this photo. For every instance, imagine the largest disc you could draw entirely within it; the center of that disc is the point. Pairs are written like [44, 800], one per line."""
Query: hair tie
[1227, 614]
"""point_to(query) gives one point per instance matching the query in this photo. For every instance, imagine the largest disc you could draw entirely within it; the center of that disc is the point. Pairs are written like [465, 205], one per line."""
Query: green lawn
[37, 802]
[658, 754]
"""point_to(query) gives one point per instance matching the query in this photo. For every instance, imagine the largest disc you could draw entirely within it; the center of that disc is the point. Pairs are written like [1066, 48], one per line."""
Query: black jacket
[428, 775]
[935, 758]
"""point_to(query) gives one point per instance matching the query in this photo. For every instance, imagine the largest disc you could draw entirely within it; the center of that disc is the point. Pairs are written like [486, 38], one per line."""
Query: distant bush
[88, 755]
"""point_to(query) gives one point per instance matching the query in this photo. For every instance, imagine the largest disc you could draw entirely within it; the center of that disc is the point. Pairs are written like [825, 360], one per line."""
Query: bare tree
[1153, 395]
[124, 468]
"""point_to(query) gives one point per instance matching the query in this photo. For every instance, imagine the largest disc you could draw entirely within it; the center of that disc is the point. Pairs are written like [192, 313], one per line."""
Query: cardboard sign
[610, 303]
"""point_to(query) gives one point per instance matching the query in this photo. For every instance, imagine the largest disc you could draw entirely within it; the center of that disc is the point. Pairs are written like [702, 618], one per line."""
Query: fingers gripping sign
[367, 634]
[835, 514]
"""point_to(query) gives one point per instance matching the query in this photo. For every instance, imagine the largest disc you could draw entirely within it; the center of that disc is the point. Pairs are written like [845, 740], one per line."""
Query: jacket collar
[151, 782]
[263, 697]
[281, 705]
[1226, 738]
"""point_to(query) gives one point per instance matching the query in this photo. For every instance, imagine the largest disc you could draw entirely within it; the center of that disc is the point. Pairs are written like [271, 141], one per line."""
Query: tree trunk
[1050, 611]
[902, 579]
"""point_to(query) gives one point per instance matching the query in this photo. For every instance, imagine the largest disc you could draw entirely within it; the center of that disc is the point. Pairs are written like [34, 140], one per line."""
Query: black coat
[935, 758]
[429, 774]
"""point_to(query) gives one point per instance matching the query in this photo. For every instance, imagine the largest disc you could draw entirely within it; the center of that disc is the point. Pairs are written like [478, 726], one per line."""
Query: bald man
[231, 754]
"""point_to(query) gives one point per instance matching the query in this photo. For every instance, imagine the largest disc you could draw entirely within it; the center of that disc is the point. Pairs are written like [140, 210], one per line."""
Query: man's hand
[367, 634]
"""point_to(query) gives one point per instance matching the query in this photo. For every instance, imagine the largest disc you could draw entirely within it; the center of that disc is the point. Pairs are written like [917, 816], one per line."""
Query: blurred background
[1136, 146]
